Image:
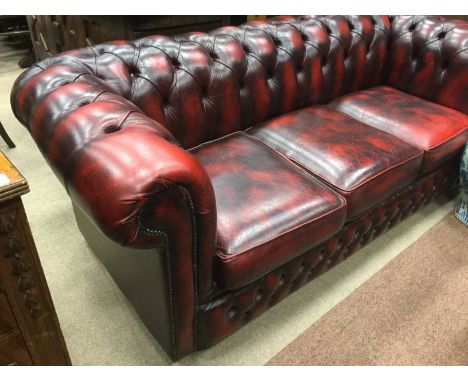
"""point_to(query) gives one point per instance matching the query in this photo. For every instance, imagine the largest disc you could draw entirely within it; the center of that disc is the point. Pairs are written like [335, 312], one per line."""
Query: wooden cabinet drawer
[7, 321]
[13, 350]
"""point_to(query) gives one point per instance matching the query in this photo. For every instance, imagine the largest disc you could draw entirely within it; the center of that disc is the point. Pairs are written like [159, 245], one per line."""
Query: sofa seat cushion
[269, 210]
[438, 130]
[360, 162]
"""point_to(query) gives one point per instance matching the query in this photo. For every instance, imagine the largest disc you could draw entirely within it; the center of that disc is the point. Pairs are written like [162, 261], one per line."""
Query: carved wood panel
[24, 285]
[15, 251]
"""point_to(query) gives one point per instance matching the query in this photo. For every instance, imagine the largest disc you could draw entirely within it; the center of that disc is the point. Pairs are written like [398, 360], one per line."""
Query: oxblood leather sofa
[214, 174]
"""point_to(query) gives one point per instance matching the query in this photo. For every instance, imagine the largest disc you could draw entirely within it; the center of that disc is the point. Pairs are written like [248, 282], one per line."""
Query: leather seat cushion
[360, 162]
[269, 210]
[438, 130]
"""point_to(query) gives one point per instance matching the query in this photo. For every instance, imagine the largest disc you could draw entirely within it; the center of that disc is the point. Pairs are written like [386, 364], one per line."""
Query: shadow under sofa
[214, 174]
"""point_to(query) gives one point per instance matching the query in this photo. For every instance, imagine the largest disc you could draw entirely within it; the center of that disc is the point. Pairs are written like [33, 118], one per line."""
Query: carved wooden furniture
[29, 330]
[54, 34]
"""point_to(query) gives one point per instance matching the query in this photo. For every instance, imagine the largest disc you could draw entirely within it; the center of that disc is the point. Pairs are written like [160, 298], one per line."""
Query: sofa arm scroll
[119, 178]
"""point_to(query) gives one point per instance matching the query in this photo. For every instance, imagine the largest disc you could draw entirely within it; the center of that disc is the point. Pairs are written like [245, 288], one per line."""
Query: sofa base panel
[231, 310]
[141, 273]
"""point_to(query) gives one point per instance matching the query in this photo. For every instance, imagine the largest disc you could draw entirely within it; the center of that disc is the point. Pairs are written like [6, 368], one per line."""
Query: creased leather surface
[269, 210]
[360, 162]
[438, 130]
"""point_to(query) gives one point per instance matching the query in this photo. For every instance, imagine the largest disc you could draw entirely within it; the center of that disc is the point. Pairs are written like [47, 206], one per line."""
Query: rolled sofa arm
[429, 58]
[126, 173]
[114, 161]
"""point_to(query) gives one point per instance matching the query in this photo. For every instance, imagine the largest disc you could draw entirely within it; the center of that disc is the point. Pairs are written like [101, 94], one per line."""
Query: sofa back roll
[429, 58]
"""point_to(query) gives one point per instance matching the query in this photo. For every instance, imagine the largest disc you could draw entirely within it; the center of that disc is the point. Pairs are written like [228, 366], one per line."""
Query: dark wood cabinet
[54, 34]
[29, 330]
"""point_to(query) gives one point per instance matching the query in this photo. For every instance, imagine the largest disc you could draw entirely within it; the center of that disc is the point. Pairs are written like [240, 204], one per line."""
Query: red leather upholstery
[429, 58]
[230, 311]
[440, 131]
[117, 121]
[361, 163]
[269, 210]
[331, 56]
[203, 86]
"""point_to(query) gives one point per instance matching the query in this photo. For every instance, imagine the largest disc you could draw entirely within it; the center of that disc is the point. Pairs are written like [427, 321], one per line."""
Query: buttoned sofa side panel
[429, 58]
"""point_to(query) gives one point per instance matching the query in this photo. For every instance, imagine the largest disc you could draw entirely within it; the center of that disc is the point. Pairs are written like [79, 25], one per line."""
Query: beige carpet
[412, 312]
[100, 327]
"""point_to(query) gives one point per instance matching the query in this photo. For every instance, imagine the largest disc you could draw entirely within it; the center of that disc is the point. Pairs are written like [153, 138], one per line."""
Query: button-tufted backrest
[203, 86]
[334, 55]
[429, 58]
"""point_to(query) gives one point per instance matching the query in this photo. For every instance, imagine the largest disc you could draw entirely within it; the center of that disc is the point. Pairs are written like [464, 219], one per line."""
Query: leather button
[134, 71]
[282, 279]
[232, 312]
[259, 295]
[323, 62]
[302, 267]
[83, 103]
[321, 254]
[111, 129]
